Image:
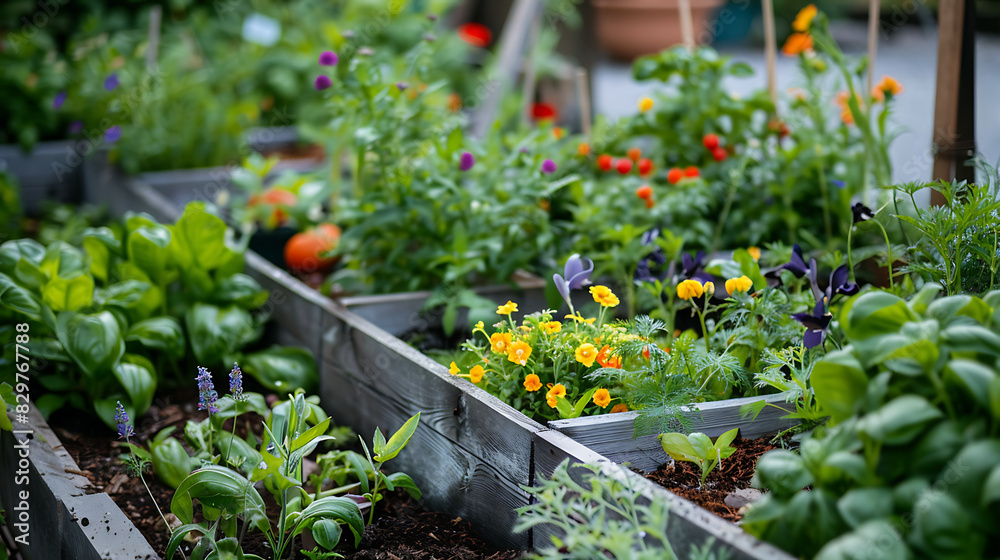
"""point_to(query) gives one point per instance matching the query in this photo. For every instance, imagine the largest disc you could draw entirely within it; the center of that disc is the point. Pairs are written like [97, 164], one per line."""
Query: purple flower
[206, 391]
[861, 212]
[548, 166]
[328, 58]
[112, 134]
[236, 383]
[691, 268]
[323, 82]
[576, 275]
[121, 418]
[839, 285]
[75, 126]
[840, 184]
[111, 82]
[797, 265]
[815, 323]
[401, 86]
[650, 267]
[466, 162]
[59, 100]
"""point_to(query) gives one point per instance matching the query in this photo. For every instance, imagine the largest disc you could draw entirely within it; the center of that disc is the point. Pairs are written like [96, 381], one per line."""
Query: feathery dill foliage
[602, 517]
[787, 370]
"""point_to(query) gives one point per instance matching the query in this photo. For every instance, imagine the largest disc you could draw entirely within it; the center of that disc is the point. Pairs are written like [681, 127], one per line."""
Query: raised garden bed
[51, 171]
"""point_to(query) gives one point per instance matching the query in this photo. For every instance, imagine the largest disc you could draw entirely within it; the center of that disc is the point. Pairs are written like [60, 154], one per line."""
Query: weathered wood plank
[50, 172]
[689, 525]
[613, 435]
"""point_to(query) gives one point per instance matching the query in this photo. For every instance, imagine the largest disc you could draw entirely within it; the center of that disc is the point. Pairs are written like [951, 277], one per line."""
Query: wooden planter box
[51, 171]
[613, 435]
[64, 520]
[472, 453]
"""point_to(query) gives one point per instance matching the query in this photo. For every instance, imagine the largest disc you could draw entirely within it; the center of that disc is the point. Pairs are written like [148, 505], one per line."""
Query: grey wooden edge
[613, 435]
[50, 171]
[688, 525]
[64, 520]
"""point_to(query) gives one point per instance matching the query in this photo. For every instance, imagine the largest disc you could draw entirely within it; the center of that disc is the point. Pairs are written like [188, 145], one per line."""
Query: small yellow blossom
[453, 369]
[551, 327]
[586, 354]
[888, 86]
[579, 319]
[556, 392]
[754, 252]
[741, 284]
[645, 104]
[479, 326]
[525, 328]
[519, 352]
[804, 18]
[532, 383]
[797, 43]
[507, 308]
[709, 288]
[602, 398]
[604, 296]
[476, 374]
[499, 342]
[690, 289]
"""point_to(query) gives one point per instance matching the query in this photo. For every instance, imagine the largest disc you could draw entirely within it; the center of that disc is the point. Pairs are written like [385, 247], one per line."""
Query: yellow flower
[500, 342]
[583, 149]
[453, 369]
[889, 86]
[604, 296]
[558, 391]
[519, 352]
[797, 43]
[645, 104]
[507, 308]
[804, 18]
[741, 284]
[690, 289]
[602, 398]
[620, 407]
[525, 328]
[579, 319]
[479, 326]
[754, 252]
[476, 374]
[551, 327]
[586, 354]
[532, 383]
[709, 288]
[551, 401]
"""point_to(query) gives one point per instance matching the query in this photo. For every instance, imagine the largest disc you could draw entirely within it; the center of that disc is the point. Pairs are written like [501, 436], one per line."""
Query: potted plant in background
[632, 28]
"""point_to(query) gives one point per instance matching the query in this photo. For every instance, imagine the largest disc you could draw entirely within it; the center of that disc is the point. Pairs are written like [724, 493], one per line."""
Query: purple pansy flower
[323, 82]
[122, 419]
[691, 268]
[466, 161]
[548, 166]
[861, 212]
[576, 274]
[206, 391]
[328, 58]
[111, 82]
[112, 134]
[650, 267]
[401, 86]
[797, 265]
[59, 100]
[815, 323]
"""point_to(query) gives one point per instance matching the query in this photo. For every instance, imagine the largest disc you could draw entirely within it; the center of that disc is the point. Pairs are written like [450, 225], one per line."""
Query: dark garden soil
[684, 478]
[402, 529]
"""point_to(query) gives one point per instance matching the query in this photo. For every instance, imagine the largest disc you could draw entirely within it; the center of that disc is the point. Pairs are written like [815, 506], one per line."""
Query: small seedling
[698, 448]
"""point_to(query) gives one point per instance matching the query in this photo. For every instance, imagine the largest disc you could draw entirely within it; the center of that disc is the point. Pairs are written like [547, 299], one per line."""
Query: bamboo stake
[874, 15]
[687, 27]
[583, 89]
[528, 91]
[771, 49]
[152, 49]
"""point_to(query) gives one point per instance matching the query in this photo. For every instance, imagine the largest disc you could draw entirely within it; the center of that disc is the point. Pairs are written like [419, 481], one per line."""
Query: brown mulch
[402, 529]
[684, 478]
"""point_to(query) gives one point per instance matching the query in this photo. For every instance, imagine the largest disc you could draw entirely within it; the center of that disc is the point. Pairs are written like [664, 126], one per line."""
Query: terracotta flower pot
[632, 28]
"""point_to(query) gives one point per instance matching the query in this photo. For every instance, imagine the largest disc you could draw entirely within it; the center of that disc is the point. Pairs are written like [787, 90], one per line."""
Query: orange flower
[797, 43]
[804, 18]
[888, 86]
[583, 149]
[453, 369]
[559, 132]
[555, 393]
[476, 373]
[607, 359]
[532, 383]
[620, 407]
[519, 352]
[500, 342]
[754, 252]
[602, 398]
[842, 101]
[454, 103]
[586, 354]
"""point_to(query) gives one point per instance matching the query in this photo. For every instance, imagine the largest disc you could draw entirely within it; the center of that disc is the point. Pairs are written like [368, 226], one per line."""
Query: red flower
[475, 34]
[624, 166]
[710, 141]
[644, 192]
[691, 171]
[674, 176]
[604, 162]
[645, 166]
[719, 154]
[544, 112]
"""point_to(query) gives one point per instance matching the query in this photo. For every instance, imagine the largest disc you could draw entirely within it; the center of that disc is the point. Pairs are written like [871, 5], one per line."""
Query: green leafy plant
[698, 448]
[908, 460]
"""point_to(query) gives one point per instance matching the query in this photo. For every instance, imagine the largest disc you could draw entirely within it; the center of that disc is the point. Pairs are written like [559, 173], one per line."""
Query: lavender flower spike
[122, 419]
[236, 383]
[577, 275]
[206, 391]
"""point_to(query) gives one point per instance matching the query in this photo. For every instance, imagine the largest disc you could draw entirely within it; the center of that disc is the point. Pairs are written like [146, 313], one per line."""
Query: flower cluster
[236, 383]
[206, 391]
[124, 424]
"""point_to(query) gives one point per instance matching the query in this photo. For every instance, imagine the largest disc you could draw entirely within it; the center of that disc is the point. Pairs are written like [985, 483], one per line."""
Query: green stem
[888, 248]
[850, 257]
[730, 194]
[826, 203]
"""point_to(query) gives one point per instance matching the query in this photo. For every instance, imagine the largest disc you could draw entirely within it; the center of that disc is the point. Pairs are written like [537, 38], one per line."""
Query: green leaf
[178, 534]
[781, 472]
[93, 341]
[283, 368]
[159, 333]
[216, 332]
[63, 260]
[307, 436]
[198, 239]
[148, 250]
[170, 461]
[241, 290]
[399, 439]
[341, 510]
[942, 528]
[223, 489]
[878, 536]
[12, 252]
[678, 447]
[125, 295]
[750, 268]
[991, 490]
[971, 338]
[69, 295]
[900, 420]
[137, 376]
[974, 378]
[16, 298]
[6, 399]
[403, 480]
[861, 505]
[876, 313]
[327, 533]
[839, 383]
